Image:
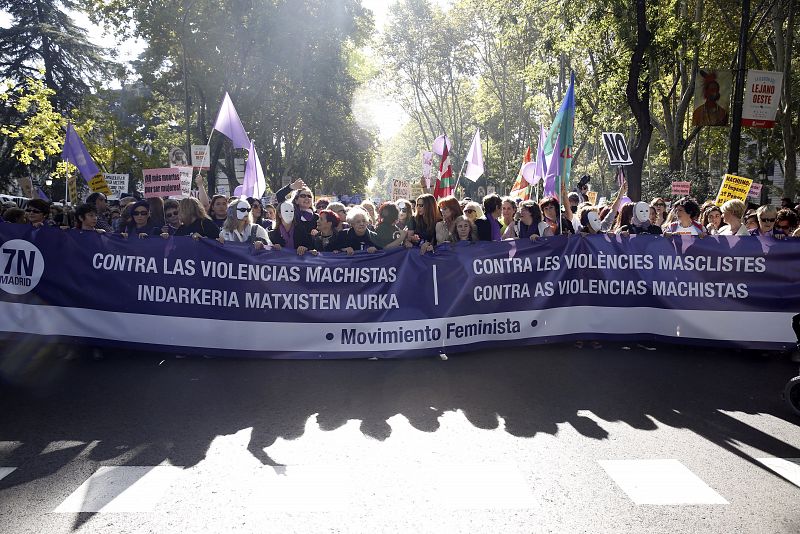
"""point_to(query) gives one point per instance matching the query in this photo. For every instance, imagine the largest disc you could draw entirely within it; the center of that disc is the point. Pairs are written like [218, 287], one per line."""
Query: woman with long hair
[302, 198]
[239, 226]
[426, 219]
[141, 224]
[450, 209]
[194, 220]
[464, 231]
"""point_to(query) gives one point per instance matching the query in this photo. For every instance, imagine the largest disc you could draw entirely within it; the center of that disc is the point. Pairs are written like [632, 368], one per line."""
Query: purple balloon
[624, 201]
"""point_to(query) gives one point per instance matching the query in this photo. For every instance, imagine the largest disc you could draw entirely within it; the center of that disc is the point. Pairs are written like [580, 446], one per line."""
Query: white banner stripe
[729, 326]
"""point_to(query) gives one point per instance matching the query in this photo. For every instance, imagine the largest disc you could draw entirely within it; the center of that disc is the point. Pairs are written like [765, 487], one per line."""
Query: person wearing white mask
[640, 221]
[589, 221]
[289, 233]
[239, 227]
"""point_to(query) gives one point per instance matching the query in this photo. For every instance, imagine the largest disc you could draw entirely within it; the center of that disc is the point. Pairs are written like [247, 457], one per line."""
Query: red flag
[521, 188]
[444, 183]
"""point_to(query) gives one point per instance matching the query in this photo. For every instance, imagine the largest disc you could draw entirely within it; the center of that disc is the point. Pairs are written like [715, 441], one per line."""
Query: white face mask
[287, 212]
[594, 220]
[242, 205]
[641, 213]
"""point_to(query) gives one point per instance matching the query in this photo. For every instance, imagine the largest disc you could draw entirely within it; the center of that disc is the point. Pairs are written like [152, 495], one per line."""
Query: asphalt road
[541, 439]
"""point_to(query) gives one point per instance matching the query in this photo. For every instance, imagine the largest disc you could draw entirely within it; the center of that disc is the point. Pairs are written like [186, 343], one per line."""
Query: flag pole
[459, 176]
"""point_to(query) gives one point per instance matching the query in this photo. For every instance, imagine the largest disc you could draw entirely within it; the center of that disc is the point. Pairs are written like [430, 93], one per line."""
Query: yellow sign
[72, 189]
[733, 188]
[98, 184]
[592, 196]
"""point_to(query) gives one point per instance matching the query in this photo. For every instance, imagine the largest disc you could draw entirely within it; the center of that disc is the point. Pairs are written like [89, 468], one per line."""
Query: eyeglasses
[171, 213]
[660, 205]
[243, 210]
[768, 220]
[469, 211]
[141, 213]
[304, 195]
[33, 210]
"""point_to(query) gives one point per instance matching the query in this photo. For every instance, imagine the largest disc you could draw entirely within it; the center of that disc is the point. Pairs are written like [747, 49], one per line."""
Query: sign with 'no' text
[617, 149]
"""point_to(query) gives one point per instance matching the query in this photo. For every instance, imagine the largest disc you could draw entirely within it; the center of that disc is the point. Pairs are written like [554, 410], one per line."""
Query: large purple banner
[185, 295]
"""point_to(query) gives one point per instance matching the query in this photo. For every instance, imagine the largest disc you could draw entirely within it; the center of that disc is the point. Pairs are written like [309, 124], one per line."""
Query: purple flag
[75, 152]
[42, 195]
[229, 123]
[553, 170]
[254, 184]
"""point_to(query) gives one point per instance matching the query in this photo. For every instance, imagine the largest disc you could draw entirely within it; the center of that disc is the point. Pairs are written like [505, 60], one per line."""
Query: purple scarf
[495, 226]
[287, 235]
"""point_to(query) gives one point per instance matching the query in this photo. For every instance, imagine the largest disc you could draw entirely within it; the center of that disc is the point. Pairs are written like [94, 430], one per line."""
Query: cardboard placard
[681, 189]
[617, 149]
[117, 183]
[400, 189]
[755, 190]
[161, 182]
[592, 195]
[733, 187]
[98, 185]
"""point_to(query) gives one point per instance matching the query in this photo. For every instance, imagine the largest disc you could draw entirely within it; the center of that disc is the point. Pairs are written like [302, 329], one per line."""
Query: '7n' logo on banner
[21, 266]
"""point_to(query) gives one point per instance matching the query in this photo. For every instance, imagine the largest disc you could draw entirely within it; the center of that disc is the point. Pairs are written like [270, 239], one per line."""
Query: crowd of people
[297, 223]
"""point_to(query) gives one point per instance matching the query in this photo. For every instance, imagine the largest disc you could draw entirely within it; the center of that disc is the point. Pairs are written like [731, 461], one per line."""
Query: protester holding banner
[489, 228]
[660, 207]
[38, 212]
[530, 216]
[686, 211]
[173, 220]
[341, 213]
[449, 208]
[634, 218]
[219, 210]
[465, 231]
[194, 220]
[15, 216]
[140, 224]
[156, 211]
[405, 219]
[86, 219]
[427, 217]
[325, 240]
[732, 213]
[785, 222]
[711, 219]
[99, 201]
[551, 208]
[766, 222]
[239, 226]
[359, 236]
[290, 232]
[387, 234]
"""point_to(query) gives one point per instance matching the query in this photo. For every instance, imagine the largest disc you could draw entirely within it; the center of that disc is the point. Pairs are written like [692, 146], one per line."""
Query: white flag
[475, 158]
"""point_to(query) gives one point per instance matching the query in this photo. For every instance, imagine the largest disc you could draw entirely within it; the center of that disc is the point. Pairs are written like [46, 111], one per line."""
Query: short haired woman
[219, 209]
[473, 211]
[359, 236]
[732, 213]
[140, 224]
[530, 216]
[86, 218]
[686, 212]
[489, 228]
[38, 212]
[766, 221]
[387, 234]
[172, 218]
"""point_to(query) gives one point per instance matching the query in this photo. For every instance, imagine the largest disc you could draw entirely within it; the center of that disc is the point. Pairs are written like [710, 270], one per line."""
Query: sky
[370, 107]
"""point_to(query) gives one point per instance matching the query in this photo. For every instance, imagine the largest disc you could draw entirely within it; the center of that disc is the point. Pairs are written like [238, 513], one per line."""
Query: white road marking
[788, 468]
[5, 471]
[661, 481]
[121, 489]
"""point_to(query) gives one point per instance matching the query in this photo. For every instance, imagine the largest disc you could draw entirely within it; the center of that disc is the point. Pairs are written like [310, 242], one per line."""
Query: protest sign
[117, 183]
[400, 189]
[762, 98]
[427, 167]
[592, 197]
[161, 182]
[186, 182]
[98, 185]
[617, 149]
[755, 191]
[177, 157]
[179, 294]
[26, 184]
[733, 187]
[200, 158]
[72, 189]
[681, 189]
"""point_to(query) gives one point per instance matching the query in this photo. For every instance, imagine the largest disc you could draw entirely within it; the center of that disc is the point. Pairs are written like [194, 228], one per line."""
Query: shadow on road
[157, 407]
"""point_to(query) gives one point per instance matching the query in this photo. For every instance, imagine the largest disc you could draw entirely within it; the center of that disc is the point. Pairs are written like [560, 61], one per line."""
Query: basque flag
[444, 183]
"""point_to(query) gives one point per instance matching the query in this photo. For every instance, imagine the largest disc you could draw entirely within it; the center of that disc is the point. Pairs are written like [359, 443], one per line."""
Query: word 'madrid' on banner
[201, 295]
[162, 182]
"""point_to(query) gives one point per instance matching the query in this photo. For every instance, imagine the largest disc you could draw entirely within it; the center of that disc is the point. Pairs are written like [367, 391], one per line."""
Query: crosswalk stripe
[121, 489]
[5, 471]
[660, 481]
[788, 468]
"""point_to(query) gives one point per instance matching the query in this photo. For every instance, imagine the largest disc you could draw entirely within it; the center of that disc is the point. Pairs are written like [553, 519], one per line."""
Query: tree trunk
[637, 93]
[784, 44]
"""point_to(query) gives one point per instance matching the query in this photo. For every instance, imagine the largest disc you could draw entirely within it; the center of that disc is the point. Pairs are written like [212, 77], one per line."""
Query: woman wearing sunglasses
[172, 220]
[766, 222]
[258, 214]
[239, 226]
[303, 200]
[140, 224]
[38, 212]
